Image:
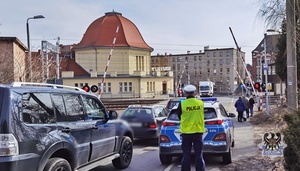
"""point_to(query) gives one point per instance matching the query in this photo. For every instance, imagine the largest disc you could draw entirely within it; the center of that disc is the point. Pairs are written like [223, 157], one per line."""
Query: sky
[168, 26]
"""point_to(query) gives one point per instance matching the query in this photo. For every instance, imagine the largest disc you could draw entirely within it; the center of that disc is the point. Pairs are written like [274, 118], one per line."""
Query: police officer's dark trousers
[189, 140]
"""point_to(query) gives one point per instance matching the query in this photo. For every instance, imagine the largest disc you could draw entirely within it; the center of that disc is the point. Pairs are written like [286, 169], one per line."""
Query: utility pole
[57, 58]
[292, 94]
[266, 73]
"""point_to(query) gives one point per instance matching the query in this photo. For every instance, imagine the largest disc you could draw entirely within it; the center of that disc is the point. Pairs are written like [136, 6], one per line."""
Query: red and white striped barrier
[108, 60]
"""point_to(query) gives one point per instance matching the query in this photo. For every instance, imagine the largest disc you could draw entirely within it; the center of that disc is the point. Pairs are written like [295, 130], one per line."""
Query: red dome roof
[102, 31]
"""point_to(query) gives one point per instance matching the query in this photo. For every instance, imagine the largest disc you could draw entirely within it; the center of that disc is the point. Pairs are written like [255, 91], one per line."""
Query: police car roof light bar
[209, 99]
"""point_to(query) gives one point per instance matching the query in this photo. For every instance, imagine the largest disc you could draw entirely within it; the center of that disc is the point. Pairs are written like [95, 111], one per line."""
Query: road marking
[171, 165]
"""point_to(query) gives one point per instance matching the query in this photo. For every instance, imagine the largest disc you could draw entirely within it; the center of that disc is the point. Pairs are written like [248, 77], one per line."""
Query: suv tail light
[8, 145]
[169, 124]
[220, 137]
[164, 139]
[152, 125]
[216, 122]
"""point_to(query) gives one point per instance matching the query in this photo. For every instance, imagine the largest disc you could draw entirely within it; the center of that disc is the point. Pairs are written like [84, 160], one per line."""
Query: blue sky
[169, 26]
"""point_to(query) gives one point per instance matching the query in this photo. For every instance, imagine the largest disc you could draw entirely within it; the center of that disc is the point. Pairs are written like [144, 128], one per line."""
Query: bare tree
[273, 12]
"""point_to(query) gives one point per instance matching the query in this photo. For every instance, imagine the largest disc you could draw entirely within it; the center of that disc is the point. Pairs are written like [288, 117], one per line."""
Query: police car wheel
[165, 159]
[227, 157]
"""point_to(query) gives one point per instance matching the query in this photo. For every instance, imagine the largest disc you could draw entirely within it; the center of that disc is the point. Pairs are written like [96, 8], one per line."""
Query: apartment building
[222, 66]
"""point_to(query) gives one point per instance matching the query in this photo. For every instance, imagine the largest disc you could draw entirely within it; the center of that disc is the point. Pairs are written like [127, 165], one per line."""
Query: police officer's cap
[189, 89]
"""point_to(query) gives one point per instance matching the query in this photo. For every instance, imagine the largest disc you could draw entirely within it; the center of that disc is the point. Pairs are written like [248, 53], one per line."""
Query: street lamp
[28, 41]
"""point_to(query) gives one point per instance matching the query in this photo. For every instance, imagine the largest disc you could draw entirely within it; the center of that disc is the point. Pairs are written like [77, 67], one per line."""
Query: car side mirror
[232, 115]
[112, 114]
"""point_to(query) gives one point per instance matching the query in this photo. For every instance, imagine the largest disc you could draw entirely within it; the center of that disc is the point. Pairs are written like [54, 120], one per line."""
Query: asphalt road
[146, 154]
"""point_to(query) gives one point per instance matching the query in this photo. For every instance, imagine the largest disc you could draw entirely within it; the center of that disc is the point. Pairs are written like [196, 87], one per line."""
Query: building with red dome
[116, 58]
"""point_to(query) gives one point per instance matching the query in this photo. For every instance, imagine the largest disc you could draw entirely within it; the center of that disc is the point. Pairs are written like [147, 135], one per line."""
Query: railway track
[120, 104]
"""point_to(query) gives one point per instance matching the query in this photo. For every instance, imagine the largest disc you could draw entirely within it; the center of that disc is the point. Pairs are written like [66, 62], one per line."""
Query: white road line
[171, 165]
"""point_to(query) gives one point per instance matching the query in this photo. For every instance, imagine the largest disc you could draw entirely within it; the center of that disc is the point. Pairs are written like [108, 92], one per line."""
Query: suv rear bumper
[24, 162]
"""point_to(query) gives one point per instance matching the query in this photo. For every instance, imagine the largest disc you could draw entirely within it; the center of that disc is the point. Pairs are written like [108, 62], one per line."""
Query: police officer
[191, 115]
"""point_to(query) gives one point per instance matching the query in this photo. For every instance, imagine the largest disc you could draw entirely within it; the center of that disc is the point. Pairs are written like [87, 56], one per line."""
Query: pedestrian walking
[247, 105]
[251, 105]
[191, 115]
[240, 108]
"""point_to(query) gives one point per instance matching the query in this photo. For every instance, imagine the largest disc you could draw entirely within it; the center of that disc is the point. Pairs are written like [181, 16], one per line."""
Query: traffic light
[263, 86]
[93, 88]
[86, 88]
[257, 86]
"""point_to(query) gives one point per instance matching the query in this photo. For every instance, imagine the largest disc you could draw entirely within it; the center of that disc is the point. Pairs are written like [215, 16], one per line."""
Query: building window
[81, 84]
[195, 58]
[148, 86]
[221, 54]
[104, 87]
[200, 58]
[207, 54]
[208, 62]
[214, 54]
[227, 53]
[120, 87]
[125, 87]
[130, 86]
[109, 87]
[76, 84]
[221, 62]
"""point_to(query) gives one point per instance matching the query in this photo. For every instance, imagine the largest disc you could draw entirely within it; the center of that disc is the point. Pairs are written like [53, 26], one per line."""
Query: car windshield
[209, 113]
[137, 112]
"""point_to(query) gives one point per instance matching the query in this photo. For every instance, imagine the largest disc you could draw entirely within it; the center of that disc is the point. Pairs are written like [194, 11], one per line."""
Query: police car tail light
[164, 139]
[8, 145]
[216, 122]
[152, 125]
[220, 137]
[169, 124]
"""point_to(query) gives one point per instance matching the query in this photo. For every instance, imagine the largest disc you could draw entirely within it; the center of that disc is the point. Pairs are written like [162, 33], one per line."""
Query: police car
[218, 138]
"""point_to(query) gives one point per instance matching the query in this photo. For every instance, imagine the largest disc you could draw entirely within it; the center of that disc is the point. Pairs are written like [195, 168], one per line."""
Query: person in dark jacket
[251, 104]
[240, 108]
[247, 105]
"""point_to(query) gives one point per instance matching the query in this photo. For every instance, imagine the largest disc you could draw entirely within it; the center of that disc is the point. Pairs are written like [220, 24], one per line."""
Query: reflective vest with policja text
[192, 117]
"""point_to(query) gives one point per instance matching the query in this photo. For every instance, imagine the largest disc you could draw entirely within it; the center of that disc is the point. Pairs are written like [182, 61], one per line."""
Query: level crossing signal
[257, 86]
[93, 88]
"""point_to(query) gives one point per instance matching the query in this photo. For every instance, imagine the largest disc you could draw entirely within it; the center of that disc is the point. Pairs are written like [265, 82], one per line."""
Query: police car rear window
[209, 113]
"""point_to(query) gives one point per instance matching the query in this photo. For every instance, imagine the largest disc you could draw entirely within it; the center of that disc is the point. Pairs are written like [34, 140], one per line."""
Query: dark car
[145, 121]
[46, 127]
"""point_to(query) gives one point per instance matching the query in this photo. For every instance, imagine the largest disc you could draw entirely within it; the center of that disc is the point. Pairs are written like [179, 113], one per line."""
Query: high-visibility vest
[192, 117]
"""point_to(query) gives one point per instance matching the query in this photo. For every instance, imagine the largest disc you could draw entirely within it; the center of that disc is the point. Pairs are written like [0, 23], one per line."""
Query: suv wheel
[55, 164]
[227, 157]
[126, 152]
[165, 159]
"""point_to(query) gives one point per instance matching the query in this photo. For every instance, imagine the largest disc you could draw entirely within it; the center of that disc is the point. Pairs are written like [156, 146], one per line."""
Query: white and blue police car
[218, 138]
